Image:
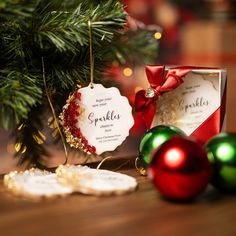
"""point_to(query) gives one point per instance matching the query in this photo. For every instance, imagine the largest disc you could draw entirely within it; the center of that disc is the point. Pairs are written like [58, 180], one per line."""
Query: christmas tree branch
[19, 92]
[66, 30]
[57, 31]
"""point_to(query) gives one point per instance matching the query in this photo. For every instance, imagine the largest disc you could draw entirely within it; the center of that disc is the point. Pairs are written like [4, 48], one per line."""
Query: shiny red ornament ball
[180, 169]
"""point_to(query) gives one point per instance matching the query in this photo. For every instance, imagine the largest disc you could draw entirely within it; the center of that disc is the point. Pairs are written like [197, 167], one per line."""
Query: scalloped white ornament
[97, 182]
[106, 117]
[35, 183]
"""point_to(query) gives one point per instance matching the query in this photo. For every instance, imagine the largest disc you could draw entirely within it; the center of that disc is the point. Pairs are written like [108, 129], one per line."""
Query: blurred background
[188, 32]
[196, 33]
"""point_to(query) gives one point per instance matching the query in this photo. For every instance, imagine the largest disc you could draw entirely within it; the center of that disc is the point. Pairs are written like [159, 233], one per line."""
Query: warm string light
[127, 71]
[39, 137]
[20, 148]
[157, 35]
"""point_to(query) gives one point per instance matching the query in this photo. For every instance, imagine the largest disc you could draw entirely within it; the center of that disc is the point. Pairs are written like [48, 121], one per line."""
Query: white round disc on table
[96, 181]
[35, 183]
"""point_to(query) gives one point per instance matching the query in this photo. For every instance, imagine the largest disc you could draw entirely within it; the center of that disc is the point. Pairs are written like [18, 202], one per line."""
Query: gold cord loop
[54, 112]
[140, 169]
[102, 161]
[91, 53]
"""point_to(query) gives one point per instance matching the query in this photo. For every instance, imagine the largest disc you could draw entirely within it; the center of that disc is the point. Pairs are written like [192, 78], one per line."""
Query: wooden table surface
[143, 212]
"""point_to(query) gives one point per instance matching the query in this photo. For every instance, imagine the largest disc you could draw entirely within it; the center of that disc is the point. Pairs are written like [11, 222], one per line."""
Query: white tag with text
[106, 117]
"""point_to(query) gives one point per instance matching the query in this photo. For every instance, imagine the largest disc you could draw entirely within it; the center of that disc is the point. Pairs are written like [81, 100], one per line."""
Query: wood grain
[143, 212]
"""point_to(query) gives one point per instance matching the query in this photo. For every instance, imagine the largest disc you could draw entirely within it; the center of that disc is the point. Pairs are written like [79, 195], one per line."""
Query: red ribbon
[160, 82]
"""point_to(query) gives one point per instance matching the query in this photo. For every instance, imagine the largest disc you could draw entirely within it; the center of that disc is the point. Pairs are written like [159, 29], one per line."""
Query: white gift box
[197, 106]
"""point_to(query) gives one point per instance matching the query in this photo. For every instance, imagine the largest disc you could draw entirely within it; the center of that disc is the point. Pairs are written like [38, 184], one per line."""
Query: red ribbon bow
[160, 82]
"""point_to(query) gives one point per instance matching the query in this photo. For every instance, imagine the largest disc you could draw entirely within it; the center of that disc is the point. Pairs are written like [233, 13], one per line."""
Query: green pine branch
[57, 31]
[19, 92]
[135, 48]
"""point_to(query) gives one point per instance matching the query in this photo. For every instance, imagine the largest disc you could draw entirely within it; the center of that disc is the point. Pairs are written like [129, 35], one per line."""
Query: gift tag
[97, 119]
[95, 181]
[35, 183]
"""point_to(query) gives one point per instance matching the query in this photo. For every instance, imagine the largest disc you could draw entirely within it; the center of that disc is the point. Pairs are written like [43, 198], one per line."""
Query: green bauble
[221, 151]
[154, 138]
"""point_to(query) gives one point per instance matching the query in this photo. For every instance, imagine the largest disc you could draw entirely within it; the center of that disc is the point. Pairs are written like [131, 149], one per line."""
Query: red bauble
[180, 169]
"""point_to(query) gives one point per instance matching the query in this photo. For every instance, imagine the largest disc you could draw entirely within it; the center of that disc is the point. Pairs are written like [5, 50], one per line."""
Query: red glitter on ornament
[84, 141]
[70, 120]
[91, 149]
[77, 95]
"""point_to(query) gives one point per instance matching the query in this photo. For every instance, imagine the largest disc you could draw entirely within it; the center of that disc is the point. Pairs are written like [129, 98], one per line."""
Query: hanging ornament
[95, 181]
[221, 151]
[153, 139]
[180, 169]
[35, 184]
[96, 119]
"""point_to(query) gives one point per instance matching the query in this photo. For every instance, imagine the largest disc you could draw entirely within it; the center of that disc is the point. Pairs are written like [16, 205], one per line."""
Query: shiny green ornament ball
[154, 138]
[221, 151]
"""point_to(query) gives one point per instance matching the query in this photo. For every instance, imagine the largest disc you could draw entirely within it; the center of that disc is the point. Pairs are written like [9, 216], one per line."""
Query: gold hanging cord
[54, 113]
[91, 53]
